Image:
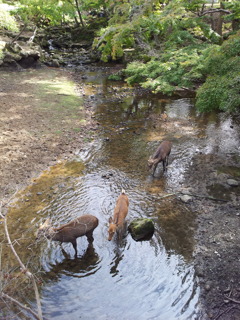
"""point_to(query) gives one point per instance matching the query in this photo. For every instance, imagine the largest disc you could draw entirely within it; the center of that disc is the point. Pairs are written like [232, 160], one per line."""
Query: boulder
[141, 229]
[54, 63]
[20, 56]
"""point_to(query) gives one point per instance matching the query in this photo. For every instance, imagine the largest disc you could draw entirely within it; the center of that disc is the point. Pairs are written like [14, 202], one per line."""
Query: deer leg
[66, 256]
[90, 236]
[74, 243]
[166, 160]
[164, 165]
[154, 168]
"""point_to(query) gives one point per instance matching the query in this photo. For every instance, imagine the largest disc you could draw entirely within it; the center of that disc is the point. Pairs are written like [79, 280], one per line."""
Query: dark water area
[143, 280]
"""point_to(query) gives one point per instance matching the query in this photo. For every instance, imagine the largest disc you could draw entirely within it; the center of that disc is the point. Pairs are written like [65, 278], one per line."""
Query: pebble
[232, 183]
[207, 286]
[186, 199]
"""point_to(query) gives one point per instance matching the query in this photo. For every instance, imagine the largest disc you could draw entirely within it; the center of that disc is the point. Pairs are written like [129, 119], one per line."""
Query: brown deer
[69, 232]
[116, 224]
[161, 154]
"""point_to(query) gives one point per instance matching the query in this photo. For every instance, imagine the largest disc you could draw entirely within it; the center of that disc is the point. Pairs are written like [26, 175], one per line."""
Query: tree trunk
[217, 20]
[79, 13]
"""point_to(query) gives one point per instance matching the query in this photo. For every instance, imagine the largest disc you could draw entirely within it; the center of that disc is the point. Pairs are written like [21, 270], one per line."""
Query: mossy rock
[141, 229]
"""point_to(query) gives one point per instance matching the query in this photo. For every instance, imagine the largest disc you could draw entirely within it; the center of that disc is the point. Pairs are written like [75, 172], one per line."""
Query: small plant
[116, 77]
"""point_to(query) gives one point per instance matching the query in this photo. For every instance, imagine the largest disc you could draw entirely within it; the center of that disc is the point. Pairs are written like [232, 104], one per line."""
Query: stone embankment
[55, 47]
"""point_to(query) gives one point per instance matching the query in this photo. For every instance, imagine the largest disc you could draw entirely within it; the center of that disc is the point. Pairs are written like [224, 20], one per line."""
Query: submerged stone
[141, 229]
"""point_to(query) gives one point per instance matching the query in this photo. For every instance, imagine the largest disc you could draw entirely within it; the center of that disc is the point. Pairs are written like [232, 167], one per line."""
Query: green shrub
[175, 68]
[222, 70]
[7, 21]
[112, 41]
[220, 93]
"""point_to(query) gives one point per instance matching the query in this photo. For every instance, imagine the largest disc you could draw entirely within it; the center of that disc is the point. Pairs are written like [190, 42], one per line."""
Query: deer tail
[123, 191]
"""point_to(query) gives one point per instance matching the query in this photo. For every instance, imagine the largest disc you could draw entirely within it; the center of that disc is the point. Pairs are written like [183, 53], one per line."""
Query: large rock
[141, 229]
[20, 56]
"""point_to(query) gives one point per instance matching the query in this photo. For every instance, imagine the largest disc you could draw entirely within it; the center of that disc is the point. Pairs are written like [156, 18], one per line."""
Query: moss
[141, 229]
[230, 170]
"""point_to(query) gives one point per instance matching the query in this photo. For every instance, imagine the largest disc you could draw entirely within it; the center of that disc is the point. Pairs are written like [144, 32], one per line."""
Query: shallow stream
[142, 280]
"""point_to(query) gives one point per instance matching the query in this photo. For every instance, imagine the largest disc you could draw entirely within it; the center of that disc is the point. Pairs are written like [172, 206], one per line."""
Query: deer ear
[110, 220]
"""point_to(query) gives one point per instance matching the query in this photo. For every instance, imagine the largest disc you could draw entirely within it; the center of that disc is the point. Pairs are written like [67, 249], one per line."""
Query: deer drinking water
[116, 224]
[69, 232]
[161, 154]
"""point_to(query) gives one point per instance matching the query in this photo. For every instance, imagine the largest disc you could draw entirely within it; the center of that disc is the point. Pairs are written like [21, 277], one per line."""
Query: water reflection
[84, 266]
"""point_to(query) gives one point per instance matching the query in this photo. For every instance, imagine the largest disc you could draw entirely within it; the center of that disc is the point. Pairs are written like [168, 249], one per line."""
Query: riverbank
[39, 129]
[38, 125]
[217, 238]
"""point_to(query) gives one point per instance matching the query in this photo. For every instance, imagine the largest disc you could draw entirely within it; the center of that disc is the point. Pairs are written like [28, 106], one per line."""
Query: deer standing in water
[116, 224]
[161, 154]
[69, 232]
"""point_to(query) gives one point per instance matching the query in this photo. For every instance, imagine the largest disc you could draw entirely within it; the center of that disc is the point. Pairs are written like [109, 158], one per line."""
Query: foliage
[234, 6]
[7, 21]
[222, 67]
[175, 68]
[125, 27]
[220, 93]
[116, 76]
[45, 12]
[151, 27]
[113, 40]
[54, 12]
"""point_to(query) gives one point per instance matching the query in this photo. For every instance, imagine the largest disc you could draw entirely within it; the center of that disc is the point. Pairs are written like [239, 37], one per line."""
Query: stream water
[142, 280]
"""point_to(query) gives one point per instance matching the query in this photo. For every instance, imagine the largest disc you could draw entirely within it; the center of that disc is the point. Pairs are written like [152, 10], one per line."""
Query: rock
[232, 183]
[16, 55]
[208, 286]
[9, 57]
[141, 229]
[54, 63]
[186, 198]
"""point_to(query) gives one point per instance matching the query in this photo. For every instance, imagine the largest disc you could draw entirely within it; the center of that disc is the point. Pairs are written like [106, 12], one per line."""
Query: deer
[161, 154]
[69, 232]
[116, 224]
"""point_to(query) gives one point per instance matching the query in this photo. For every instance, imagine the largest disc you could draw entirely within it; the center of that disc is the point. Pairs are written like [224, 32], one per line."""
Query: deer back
[72, 230]
[120, 212]
[121, 209]
[161, 153]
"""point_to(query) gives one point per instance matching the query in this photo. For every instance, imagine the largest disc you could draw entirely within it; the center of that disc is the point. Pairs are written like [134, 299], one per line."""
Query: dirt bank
[39, 126]
[217, 236]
